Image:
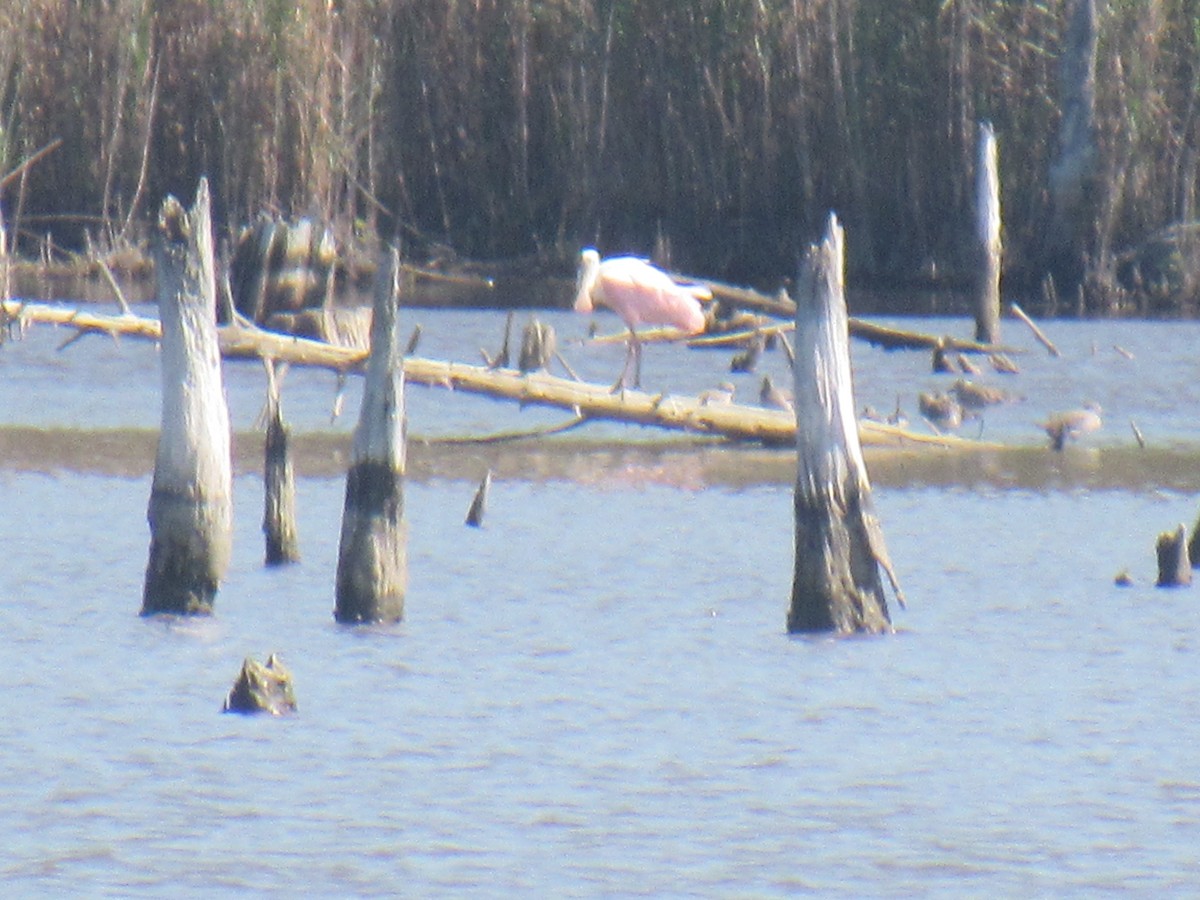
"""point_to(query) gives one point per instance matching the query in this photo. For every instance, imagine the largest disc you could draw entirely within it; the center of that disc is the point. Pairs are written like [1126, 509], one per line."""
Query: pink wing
[644, 295]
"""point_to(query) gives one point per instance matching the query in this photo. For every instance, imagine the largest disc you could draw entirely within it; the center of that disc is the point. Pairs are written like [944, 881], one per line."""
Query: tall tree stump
[1174, 564]
[1074, 174]
[839, 543]
[987, 233]
[372, 555]
[279, 482]
[191, 509]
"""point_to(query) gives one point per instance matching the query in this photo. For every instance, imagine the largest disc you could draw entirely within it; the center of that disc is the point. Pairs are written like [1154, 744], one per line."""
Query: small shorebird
[940, 410]
[974, 397]
[1065, 426]
[774, 397]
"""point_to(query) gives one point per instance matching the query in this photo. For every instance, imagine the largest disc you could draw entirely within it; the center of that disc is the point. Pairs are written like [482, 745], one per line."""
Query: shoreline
[688, 464]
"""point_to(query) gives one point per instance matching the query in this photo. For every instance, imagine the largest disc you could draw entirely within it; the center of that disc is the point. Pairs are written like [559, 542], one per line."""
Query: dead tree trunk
[191, 510]
[372, 556]
[839, 542]
[279, 482]
[1074, 173]
[987, 231]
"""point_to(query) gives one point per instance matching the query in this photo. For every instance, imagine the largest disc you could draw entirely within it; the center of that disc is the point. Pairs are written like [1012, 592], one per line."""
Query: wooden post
[839, 542]
[372, 556]
[191, 510]
[279, 482]
[1174, 565]
[987, 231]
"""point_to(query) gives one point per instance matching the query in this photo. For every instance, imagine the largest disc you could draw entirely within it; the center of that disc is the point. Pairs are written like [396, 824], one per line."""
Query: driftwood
[1033, 327]
[190, 511]
[840, 549]
[372, 569]
[987, 233]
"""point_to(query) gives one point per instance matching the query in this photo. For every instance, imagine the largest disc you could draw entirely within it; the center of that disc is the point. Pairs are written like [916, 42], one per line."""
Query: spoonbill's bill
[639, 294]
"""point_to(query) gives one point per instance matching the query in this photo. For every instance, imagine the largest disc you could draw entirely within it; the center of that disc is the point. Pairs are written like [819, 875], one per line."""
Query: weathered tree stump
[372, 555]
[1174, 566]
[538, 344]
[987, 232]
[839, 541]
[1194, 545]
[1074, 174]
[191, 510]
[282, 267]
[262, 688]
[279, 483]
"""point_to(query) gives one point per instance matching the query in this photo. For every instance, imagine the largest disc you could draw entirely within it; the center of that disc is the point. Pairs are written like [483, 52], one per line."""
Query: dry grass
[512, 127]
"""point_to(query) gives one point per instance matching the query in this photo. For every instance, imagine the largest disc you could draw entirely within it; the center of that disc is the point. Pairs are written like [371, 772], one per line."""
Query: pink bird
[641, 295]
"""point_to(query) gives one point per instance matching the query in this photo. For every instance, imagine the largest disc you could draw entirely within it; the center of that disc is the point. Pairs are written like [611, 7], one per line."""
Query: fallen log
[587, 401]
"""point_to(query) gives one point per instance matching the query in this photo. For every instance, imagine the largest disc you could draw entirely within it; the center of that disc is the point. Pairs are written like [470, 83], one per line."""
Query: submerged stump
[191, 510]
[262, 688]
[836, 584]
[1174, 564]
[372, 554]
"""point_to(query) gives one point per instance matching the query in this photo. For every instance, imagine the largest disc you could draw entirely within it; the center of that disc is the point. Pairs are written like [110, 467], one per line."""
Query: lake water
[594, 694]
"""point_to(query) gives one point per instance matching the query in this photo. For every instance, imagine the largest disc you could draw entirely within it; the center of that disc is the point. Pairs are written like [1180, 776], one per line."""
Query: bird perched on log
[639, 294]
[748, 358]
[1065, 426]
[774, 397]
[940, 410]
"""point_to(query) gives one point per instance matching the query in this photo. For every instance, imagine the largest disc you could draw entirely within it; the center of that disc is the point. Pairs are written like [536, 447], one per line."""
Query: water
[594, 695]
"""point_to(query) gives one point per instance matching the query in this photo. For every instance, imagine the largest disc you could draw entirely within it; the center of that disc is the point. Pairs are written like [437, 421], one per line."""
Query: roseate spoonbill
[641, 295]
[1065, 426]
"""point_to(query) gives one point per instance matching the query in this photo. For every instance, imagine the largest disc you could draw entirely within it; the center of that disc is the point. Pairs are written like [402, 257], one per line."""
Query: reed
[511, 127]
